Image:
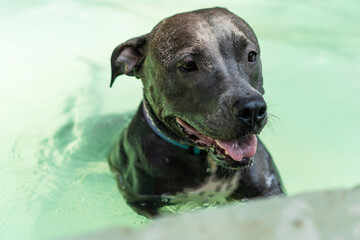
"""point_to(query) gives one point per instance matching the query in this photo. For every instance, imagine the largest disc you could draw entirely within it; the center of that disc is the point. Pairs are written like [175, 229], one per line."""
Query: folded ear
[128, 57]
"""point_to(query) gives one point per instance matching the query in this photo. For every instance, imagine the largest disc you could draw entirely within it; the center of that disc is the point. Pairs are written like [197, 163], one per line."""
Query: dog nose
[250, 112]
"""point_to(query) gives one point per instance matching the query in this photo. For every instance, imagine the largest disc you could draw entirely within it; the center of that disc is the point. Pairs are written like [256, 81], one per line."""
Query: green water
[59, 118]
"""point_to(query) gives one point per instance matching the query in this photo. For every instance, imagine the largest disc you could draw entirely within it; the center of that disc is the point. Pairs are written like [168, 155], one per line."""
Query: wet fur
[149, 169]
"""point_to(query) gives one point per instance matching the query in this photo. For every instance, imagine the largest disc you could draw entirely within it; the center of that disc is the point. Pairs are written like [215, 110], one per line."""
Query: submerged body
[152, 173]
[202, 89]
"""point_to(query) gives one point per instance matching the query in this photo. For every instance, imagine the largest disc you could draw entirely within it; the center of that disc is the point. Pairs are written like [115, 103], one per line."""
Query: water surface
[60, 118]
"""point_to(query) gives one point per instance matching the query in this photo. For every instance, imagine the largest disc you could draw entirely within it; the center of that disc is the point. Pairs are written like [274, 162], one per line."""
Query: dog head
[202, 78]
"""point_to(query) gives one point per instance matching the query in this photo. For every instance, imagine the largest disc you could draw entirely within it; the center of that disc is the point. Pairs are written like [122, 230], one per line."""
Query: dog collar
[153, 126]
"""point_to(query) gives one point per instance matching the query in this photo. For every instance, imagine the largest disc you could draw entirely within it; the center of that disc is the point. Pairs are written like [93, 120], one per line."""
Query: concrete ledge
[329, 215]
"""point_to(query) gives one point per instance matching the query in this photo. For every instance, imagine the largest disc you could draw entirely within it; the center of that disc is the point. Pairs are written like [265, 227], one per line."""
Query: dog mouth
[233, 154]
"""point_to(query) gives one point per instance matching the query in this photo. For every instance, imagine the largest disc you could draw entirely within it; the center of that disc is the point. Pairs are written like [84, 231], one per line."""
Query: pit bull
[194, 135]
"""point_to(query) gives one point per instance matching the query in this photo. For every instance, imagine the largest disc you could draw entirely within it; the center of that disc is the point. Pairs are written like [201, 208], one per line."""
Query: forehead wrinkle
[220, 29]
[182, 54]
[177, 40]
[227, 27]
[180, 40]
[207, 34]
[218, 34]
[239, 44]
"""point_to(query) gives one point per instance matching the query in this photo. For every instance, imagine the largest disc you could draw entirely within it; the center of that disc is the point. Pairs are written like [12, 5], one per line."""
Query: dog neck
[153, 124]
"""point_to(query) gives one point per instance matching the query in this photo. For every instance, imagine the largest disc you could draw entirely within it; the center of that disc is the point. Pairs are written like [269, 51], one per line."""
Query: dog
[194, 135]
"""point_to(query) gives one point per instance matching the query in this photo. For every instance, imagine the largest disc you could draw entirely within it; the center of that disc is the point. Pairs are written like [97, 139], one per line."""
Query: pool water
[60, 118]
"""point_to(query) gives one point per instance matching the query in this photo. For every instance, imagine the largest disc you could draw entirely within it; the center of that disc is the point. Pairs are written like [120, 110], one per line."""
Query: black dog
[194, 134]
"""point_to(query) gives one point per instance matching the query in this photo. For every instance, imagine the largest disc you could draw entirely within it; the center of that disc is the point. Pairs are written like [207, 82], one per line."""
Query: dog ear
[128, 57]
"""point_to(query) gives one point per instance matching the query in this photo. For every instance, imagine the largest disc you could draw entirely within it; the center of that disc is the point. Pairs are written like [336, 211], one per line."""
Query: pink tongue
[241, 148]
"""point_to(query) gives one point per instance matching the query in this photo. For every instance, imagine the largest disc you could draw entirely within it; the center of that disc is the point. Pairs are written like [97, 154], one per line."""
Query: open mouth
[233, 154]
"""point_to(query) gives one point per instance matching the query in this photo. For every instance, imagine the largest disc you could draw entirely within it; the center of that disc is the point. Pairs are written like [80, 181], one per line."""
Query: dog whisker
[195, 130]
[274, 117]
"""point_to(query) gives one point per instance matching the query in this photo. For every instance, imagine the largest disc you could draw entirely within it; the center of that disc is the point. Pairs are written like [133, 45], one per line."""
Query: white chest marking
[211, 192]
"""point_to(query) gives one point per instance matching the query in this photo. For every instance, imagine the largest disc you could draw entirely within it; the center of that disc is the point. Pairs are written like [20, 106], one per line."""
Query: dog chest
[212, 192]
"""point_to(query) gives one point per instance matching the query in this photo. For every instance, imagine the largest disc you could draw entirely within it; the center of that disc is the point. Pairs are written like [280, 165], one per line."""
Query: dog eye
[188, 67]
[252, 56]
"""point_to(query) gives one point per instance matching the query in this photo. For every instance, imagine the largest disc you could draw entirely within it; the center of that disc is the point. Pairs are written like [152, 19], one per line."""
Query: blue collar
[153, 126]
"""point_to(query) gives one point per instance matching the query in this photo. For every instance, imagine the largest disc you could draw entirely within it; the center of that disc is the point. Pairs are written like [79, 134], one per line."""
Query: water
[59, 118]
